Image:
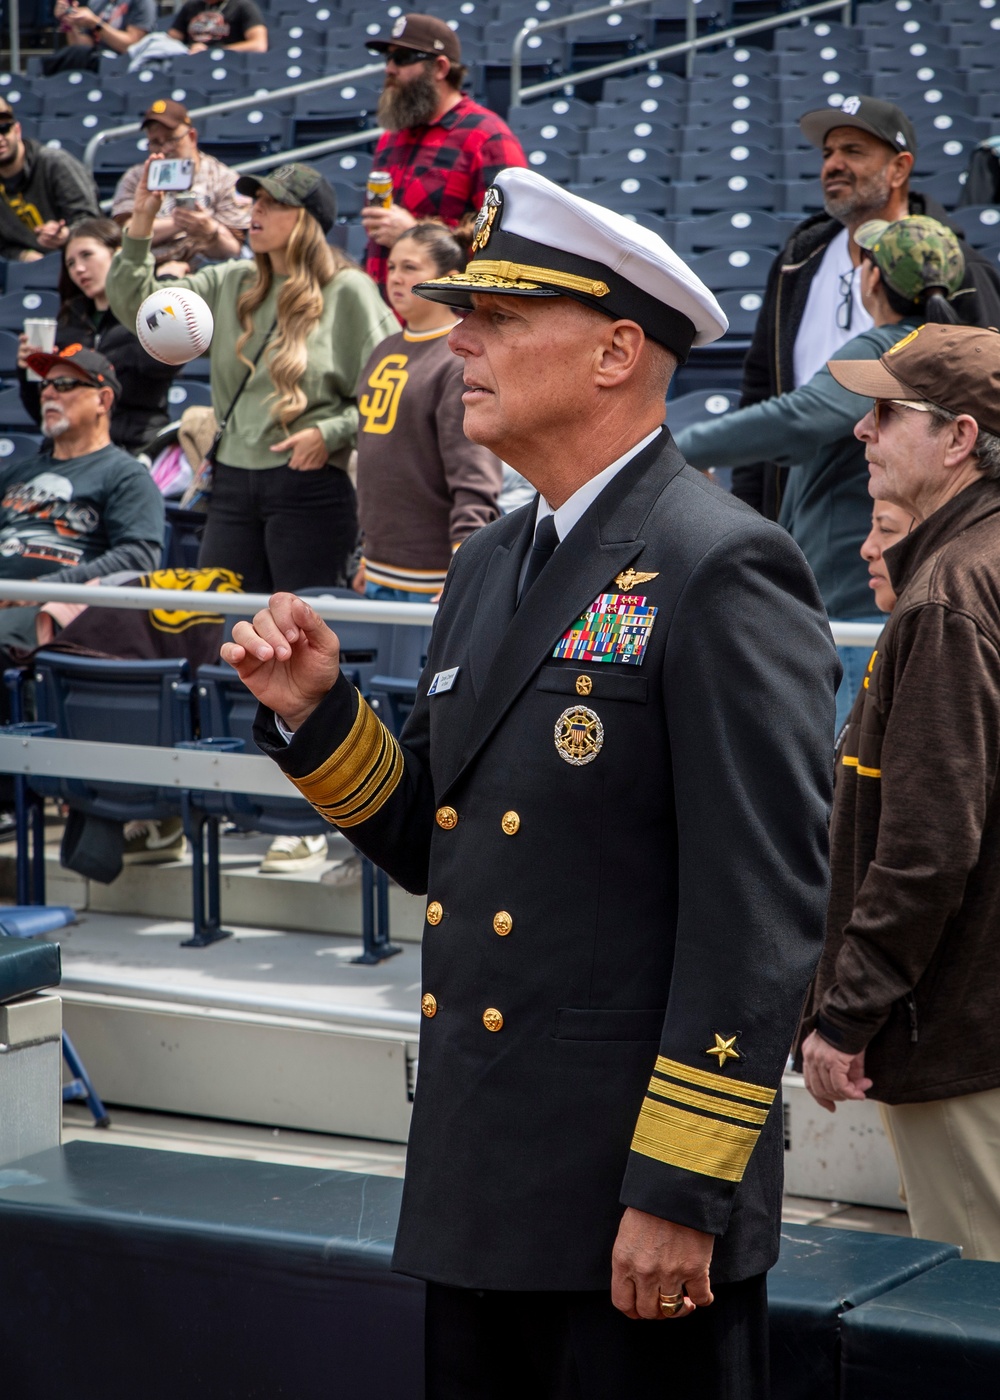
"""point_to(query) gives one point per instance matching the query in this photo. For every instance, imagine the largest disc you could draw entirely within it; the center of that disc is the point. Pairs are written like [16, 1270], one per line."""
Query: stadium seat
[24, 103]
[349, 167]
[604, 140]
[645, 159]
[14, 418]
[735, 159]
[667, 87]
[979, 222]
[350, 198]
[15, 306]
[629, 195]
[42, 275]
[8, 352]
[570, 140]
[937, 157]
[245, 135]
[942, 126]
[742, 310]
[611, 115]
[19, 447]
[732, 228]
[727, 192]
[945, 187]
[703, 405]
[184, 394]
[721, 135]
[725, 269]
[560, 111]
[722, 64]
[553, 164]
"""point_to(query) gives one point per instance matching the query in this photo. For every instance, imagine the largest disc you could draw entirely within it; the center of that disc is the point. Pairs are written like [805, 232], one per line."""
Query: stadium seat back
[16, 448]
[700, 407]
[744, 191]
[980, 223]
[725, 269]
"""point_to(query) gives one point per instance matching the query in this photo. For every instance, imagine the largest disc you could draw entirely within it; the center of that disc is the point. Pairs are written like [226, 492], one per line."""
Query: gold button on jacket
[511, 823]
[428, 1004]
[492, 1019]
[446, 818]
[435, 913]
[502, 923]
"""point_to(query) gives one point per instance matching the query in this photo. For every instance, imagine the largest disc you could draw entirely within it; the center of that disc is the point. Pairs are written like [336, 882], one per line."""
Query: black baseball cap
[883, 119]
[95, 368]
[300, 187]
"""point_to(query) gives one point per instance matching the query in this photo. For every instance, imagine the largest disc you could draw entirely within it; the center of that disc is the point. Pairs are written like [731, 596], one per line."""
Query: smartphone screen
[171, 175]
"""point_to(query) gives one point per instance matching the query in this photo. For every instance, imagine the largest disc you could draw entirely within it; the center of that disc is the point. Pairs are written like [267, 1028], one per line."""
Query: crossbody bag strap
[210, 454]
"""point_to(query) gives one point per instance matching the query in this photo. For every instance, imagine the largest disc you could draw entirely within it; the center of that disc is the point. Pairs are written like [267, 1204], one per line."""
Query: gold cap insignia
[629, 578]
[724, 1049]
[579, 735]
[159, 105]
[488, 215]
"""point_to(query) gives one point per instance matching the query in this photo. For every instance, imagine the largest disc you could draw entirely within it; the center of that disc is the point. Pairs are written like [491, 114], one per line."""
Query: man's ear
[899, 169]
[618, 354]
[964, 432]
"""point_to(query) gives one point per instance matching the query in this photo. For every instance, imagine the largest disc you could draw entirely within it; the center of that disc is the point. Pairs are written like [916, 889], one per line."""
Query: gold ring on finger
[671, 1304]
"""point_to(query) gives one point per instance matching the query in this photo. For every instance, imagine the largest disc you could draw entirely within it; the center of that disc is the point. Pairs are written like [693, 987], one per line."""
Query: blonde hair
[312, 265]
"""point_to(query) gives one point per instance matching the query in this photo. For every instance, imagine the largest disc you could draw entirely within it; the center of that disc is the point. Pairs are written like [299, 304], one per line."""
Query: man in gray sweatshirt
[43, 191]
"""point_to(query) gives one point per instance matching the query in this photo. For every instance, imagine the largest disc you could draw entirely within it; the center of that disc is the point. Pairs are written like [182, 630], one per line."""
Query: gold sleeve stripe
[696, 1144]
[736, 1088]
[850, 762]
[662, 1089]
[359, 776]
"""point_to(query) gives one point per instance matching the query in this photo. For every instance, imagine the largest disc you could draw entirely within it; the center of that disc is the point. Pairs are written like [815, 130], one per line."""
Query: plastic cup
[41, 333]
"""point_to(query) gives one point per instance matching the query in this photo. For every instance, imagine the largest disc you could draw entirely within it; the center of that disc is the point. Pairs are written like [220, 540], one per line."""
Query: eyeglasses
[65, 384]
[845, 308]
[405, 58]
[881, 405]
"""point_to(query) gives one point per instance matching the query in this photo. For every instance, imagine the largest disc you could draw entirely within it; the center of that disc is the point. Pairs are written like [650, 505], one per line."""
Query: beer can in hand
[379, 190]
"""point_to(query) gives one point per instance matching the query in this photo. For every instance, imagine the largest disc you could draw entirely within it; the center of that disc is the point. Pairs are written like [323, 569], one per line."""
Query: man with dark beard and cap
[812, 305]
[442, 150]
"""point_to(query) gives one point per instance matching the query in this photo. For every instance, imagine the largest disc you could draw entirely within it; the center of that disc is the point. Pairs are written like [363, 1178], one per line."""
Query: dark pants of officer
[483, 1345]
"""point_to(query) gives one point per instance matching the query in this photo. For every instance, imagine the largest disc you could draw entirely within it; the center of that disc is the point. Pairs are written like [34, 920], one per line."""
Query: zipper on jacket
[911, 1006]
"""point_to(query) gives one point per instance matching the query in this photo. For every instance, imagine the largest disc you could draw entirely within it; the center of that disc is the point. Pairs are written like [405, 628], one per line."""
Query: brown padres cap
[168, 113]
[423, 33]
[955, 367]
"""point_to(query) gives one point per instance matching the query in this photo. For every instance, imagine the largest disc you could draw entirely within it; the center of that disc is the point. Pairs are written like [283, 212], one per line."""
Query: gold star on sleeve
[723, 1049]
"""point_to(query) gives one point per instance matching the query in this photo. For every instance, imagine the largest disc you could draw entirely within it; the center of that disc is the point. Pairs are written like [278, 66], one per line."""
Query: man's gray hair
[986, 450]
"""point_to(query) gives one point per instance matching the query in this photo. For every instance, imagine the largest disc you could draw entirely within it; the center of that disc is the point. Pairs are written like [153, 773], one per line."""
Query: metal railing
[239, 104]
[690, 46]
[848, 634]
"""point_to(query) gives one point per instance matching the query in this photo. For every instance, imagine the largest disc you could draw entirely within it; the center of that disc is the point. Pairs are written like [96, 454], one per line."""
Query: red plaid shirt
[442, 171]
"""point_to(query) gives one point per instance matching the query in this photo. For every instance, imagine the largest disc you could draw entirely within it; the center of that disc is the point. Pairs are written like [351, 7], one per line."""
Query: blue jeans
[855, 663]
[381, 594]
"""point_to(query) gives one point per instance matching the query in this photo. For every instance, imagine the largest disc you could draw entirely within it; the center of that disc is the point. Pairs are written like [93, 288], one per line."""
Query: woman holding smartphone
[293, 330]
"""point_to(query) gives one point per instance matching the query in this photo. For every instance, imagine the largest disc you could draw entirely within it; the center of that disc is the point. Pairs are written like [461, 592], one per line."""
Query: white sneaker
[288, 853]
[150, 843]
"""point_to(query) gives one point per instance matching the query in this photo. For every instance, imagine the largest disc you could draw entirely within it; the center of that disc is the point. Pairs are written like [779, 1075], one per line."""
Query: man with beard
[442, 150]
[812, 305]
[42, 192]
[83, 508]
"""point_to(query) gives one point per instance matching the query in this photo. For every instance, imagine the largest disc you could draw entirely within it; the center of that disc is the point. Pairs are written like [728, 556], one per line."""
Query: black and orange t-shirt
[200, 23]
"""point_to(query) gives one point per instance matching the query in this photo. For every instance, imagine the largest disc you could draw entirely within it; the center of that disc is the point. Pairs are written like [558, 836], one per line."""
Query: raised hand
[287, 657]
[146, 203]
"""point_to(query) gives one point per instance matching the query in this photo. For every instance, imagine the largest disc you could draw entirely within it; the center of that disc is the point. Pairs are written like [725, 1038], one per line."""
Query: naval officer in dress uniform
[613, 791]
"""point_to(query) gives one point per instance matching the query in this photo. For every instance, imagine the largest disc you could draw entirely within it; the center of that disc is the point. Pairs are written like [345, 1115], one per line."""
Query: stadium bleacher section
[714, 162]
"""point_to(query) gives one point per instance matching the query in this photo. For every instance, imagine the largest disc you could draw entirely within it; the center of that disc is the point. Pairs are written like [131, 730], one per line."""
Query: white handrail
[621, 65]
[848, 634]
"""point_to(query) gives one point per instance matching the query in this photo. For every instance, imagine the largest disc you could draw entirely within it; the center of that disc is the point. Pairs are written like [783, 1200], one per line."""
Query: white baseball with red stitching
[174, 325]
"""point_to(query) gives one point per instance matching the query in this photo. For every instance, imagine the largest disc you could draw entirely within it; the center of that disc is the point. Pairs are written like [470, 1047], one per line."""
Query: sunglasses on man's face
[885, 409]
[405, 58]
[7, 125]
[65, 383]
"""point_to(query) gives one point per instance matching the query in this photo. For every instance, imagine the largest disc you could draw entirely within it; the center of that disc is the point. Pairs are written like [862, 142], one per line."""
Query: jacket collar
[970, 506]
[509, 643]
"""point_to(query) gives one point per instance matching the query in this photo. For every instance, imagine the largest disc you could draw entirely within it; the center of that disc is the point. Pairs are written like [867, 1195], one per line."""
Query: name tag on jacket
[443, 680]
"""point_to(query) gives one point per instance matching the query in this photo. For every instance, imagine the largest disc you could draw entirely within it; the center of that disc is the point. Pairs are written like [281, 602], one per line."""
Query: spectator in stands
[42, 192]
[206, 223]
[227, 24]
[911, 271]
[868, 151]
[85, 318]
[442, 149]
[904, 1002]
[283, 511]
[890, 523]
[423, 487]
[116, 25]
[83, 508]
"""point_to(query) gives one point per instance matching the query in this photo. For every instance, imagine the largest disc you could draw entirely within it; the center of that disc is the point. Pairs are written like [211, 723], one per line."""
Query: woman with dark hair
[422, 485]
[911, 270]
[85, 318]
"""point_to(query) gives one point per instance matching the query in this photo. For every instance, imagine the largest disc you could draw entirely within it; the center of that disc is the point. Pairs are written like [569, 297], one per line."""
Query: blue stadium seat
[742, 310]
[188, 393]
[559, 111]
[42, 275]
[8, 352]
[747, 191]
[630, 194]
[603, 140]
[13, 416]
[942, 126]
[349, 167]
[699, 407]
[15, 306]
[16, 448]
[570, 140]
[731, 131]
[610, 115]
[732, 228]
[979, 222]
[555, 165]
[723, 63]
[350, 198]
[736, 159]
[718, 106]
[725, 269]
[244, 135]
[115, 157]
[945, 187]
[24, 103]
[937, 157]
[667, 87]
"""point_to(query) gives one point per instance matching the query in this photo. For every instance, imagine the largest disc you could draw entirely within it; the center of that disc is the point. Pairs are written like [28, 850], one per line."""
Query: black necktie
[541, 551]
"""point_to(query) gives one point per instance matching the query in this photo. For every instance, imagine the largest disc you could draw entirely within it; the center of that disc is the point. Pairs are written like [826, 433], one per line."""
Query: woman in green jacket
[282, 512]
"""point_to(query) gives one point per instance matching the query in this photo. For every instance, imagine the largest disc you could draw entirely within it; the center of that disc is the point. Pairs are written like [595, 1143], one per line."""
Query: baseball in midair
[174, 325]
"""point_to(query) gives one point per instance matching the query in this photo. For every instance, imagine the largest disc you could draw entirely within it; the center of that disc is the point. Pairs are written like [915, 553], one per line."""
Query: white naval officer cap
[535, 239]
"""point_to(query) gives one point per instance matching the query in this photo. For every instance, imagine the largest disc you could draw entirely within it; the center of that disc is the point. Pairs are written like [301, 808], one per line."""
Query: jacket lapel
[498, 596]
[602, 543]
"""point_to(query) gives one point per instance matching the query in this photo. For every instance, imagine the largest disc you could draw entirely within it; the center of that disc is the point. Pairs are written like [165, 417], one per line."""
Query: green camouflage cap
[913, 254]
[299, 186]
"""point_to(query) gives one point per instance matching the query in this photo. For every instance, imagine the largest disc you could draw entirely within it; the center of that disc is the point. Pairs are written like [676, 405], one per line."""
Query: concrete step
[325, 899]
